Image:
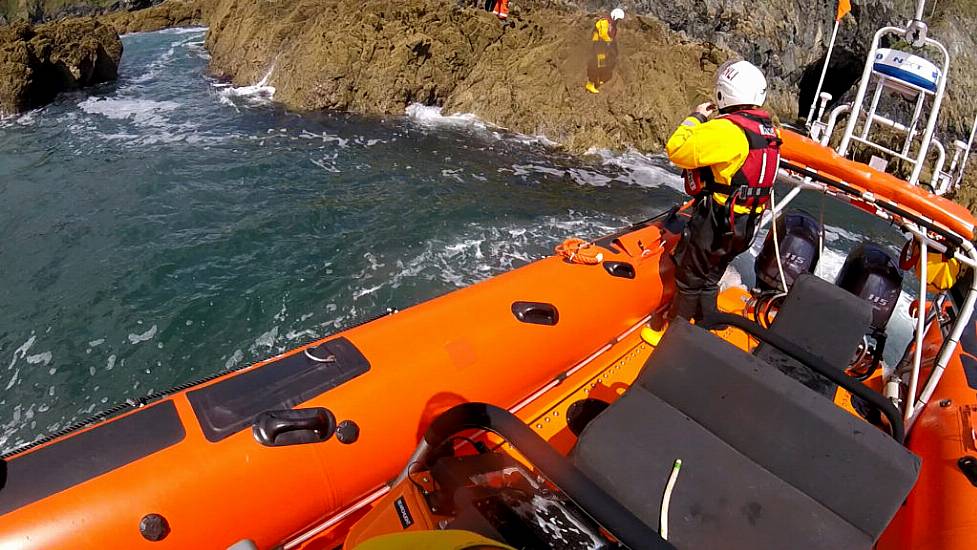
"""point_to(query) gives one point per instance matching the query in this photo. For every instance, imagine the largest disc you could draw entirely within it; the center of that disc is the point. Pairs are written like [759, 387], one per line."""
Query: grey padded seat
[767, 463]
[821, 318]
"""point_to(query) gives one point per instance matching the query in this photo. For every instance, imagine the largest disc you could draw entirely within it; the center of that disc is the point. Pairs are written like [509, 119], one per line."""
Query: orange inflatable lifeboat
[552, 407]
[291, 444]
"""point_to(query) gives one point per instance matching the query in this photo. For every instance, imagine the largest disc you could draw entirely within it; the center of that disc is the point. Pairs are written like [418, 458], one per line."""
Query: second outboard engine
[871, 272]
[798, 234]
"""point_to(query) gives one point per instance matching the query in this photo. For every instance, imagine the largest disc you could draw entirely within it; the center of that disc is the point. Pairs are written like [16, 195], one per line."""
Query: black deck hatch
[231, 405]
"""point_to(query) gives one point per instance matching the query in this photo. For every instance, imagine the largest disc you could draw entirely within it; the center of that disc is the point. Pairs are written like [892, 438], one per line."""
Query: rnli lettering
[403, 513]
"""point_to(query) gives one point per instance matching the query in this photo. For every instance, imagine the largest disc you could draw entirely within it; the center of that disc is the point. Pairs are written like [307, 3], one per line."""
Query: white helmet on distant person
[740, 83]
[617, 14]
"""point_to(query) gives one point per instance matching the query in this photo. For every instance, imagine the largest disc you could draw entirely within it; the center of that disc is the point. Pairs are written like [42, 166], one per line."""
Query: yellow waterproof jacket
[602, 30]
[718, 144]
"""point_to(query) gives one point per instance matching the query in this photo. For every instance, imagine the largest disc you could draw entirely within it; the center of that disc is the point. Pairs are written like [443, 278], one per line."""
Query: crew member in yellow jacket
[600, 69]
[730, 164]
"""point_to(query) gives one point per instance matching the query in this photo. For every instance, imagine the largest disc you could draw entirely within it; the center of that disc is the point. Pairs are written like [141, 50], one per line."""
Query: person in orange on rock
[602, 63]
[501, 9]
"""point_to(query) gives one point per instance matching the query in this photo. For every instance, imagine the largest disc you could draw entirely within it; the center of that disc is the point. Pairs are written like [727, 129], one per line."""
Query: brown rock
[37, 63]
[172, 13]
[378, 56]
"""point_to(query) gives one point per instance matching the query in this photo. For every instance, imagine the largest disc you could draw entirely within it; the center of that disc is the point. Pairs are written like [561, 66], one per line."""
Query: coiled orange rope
[579, 251]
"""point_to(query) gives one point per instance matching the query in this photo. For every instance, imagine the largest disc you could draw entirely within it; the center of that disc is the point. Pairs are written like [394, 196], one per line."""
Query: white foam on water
[429, 115]
[43, 358]
[148, 335]
[326, 137]
[234, 359]
[525, 139]
[834, 234]
[23, 119]
[184, 30]
[640, 169]
[527, 169]
[477, 252]
[366, 291]
[260, 93]
[327, 164]
[307, 334]
[142, 112]
[171, 30]
[583, 176]
[267, 339]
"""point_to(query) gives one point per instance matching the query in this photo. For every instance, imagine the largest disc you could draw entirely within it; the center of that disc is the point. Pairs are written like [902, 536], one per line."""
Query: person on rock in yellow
[600, 69]
[730, 165]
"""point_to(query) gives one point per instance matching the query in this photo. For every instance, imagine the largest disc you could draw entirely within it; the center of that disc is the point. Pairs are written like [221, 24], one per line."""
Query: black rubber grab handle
[294, 426]
[623, 270]
[968, 465]
[536, 313]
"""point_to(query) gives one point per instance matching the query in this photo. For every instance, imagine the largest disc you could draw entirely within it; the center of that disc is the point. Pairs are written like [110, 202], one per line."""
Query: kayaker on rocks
[600, 69]
[730, 165]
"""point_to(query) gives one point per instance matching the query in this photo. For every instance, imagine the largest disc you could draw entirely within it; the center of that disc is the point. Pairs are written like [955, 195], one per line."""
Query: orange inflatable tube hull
[810, 154]
[189, 470]
[939, 512]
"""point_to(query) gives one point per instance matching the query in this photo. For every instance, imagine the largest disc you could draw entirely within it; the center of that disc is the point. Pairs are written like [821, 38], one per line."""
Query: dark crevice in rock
[843, 74]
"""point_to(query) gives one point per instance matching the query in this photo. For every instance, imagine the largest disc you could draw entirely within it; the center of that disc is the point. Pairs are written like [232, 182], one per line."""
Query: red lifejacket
[750, 186]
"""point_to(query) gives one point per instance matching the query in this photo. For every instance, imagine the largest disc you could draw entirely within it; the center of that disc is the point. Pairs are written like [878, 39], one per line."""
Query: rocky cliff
[174, 13]
[37, 11]
[789, 39]
[37, 63]
[378, 56]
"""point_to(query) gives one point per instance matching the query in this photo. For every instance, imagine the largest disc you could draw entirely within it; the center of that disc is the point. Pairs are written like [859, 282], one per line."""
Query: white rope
[776, 244]
[820, 238]
[667, 498]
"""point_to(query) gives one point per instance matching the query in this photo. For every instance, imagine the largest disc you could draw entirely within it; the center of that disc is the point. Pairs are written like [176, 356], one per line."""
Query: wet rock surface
[39, 62]
[379, 56]
[789, 40]
[174, 13]
[39, 11]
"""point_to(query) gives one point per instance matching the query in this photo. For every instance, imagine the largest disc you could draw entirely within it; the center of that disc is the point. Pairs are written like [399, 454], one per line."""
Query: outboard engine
[871, 272]
[798, 234]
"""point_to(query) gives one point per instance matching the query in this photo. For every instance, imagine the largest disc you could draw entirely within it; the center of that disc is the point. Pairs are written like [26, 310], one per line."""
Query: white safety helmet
[740, 83]
[617, 14]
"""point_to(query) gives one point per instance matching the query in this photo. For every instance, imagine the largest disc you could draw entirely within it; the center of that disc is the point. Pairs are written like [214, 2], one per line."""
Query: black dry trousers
[709, 244]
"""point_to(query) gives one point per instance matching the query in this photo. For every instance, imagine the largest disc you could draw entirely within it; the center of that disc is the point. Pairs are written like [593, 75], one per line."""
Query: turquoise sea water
[166, 226]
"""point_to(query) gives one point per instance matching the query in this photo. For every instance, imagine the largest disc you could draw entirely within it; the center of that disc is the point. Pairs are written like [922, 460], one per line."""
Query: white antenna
[920, 6]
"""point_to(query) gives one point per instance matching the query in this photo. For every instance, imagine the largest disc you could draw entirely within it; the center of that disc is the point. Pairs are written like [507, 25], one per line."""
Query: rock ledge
[38, 63]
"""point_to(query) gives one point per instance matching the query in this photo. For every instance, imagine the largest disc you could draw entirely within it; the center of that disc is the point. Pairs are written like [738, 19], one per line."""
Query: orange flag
[844, 6]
